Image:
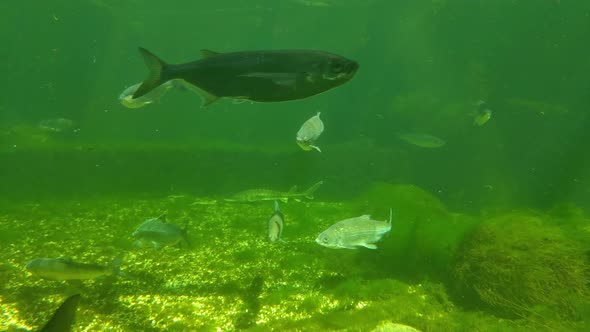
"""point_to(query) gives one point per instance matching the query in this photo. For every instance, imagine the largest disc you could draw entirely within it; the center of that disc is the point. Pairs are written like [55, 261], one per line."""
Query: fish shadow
[251, 308]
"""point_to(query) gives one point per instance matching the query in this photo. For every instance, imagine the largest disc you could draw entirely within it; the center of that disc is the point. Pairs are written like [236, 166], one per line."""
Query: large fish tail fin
[64, 316]
[156, 76]
[309, 192]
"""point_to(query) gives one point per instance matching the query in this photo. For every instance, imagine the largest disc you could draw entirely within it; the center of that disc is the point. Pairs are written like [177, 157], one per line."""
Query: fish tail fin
[309, 192]
[156, 76]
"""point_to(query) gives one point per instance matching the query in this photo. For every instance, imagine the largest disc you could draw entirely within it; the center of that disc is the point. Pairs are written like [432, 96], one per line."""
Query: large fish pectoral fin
[315, 147]
[208, 53]
[369, 245]
[207, 98]
[240, 100]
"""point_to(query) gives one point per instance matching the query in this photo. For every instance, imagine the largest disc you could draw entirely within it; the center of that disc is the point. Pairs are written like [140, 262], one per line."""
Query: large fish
[158, 233]
[62, 268]
[256, 195]
[63, 318]
[262, 76]
[355, 232]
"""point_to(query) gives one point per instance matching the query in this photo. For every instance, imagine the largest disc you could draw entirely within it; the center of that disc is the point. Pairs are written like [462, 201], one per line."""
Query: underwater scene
[295, 165]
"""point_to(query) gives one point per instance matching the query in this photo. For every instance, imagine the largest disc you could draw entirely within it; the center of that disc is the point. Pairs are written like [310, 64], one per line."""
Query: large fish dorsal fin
[208, 53]
[162, 218]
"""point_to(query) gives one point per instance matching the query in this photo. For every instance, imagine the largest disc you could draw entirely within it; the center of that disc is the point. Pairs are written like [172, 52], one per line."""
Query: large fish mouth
[352, 67]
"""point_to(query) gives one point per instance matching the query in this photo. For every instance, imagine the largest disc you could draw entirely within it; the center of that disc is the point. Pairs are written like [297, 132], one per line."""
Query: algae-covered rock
[424, 233]
[521, 265]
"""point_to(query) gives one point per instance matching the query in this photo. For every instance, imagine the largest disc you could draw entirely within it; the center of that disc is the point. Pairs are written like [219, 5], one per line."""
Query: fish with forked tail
[255, 195]
[159, 233]
[275, 225]
[261, 76]
[63, 268]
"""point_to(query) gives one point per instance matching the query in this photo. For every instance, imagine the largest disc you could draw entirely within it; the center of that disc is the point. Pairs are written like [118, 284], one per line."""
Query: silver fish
[309, 132]
[127, 100]
[62, 268]
[255, 195]
[158, 234]
[422, 140]
[355, 232]
[275, 225]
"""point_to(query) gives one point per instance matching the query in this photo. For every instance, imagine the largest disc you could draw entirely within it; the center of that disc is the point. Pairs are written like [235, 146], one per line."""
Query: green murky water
[490, 230]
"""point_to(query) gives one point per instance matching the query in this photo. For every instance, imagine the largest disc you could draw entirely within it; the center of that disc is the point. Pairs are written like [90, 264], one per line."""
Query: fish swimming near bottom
[275, 225]
[255, 195]
[158, 233]
[355, 232]
[63, 318]
[56, 125]
[62, 268]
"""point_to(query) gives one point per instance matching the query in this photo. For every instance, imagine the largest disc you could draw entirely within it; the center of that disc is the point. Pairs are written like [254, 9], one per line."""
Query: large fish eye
[337, 67]
[325, 239]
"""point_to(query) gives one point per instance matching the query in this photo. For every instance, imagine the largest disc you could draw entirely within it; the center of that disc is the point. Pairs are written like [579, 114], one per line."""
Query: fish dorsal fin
[208, 53]
[277, 207]
[292, 190]
[162, 218]
[365, 217]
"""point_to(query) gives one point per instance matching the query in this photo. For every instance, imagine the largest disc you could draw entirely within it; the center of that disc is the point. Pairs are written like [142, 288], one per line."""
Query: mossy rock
[424, 233]
[519, 264]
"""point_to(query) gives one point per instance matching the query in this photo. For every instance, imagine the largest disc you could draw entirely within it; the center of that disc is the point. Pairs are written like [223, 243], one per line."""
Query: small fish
[275, 225]
[262, 76]
[482, 114]
[63, 318]
[355, 232]
[158, 233]
[309, 132]
[127, 100]
[62, 268]
[422, 140]
[56, 125]
[255, 195]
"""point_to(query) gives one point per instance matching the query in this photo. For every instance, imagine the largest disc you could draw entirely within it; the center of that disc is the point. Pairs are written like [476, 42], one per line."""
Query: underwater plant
[519, 264]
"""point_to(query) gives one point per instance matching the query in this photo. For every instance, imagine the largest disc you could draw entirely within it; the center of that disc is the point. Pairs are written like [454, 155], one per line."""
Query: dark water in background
[423, 65]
